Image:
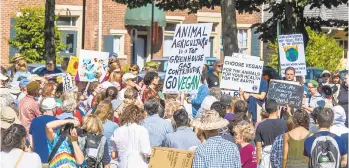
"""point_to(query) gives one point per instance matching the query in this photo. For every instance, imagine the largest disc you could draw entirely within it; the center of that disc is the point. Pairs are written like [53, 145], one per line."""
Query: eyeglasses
[310, 87]
[326, 76]
[220, 66]
[133, 70]
[49, 64]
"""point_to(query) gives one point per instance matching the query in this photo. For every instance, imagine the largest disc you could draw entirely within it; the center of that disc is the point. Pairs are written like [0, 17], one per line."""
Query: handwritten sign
[67, 81]
[291, 51]
[187, 57]
[73, 65]
[286, 92]
[241, 73]
[171, 158]
[91, 64]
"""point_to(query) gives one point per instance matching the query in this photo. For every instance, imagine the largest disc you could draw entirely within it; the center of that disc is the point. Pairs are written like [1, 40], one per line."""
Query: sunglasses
[326, 76]
[133, 70]
[49, 64]
[220, 66]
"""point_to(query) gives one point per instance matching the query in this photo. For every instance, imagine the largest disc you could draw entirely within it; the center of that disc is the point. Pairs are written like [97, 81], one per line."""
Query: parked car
[36, 68]
[313, 74]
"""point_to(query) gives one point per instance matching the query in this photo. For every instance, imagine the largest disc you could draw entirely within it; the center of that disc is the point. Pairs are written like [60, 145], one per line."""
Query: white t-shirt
[9, 160]
[339, 129]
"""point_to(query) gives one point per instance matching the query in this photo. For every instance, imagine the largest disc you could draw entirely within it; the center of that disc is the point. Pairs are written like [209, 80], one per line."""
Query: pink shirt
[28, 110]
[248, 156]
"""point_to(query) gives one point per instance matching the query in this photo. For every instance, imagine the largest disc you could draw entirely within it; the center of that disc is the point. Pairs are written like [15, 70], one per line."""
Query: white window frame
[71, 11]
[249, 36]
[215, 18]
[343, 46]
[170, 19]
[121, 34]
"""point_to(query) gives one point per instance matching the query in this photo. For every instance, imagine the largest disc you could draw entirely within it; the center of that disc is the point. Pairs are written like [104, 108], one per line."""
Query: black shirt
[212, 80]
[269, 129]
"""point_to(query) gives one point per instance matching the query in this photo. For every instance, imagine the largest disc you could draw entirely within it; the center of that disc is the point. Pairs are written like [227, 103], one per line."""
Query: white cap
[128, 76]
[106, 84]
[48, 104]
[2, 77]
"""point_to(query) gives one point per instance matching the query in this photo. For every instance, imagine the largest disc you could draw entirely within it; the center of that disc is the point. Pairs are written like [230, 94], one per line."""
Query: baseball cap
[113, 55]
[226, 99]
[325, 72]
[8, 117]
[24, 82]
[3, 77]
[128, 76]
[105, 85]
[48, 104]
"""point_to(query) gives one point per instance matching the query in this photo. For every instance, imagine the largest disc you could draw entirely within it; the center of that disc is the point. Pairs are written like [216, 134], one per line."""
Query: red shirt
[248, 156]
[28, 109]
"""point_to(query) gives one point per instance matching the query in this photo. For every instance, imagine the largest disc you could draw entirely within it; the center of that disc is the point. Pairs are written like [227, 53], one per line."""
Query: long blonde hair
[92, 124]
[104, 110]
[22, 65]
[115, 76]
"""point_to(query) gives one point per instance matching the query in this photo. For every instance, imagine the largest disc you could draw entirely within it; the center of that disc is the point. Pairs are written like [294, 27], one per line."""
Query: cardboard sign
[67, 81]
[170, 158]
[291, 52]
[73, 65]
[285, 92]
[241, 73]
[91, 63]
[187, 58]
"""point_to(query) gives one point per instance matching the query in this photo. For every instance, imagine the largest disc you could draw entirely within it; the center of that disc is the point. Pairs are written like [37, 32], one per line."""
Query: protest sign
[286, 92]
[170, 158]
[241, 73]
[92, 64]
[73, 65]
[187, 58]
[233, 93]
[67, 82]
[291, 53]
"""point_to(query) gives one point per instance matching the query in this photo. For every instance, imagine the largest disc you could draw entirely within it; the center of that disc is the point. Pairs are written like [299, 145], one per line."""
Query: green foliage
[322, 52]
[29, 39]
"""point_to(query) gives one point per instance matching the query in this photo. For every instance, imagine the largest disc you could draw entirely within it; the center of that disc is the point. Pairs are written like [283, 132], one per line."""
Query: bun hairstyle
[13, 137]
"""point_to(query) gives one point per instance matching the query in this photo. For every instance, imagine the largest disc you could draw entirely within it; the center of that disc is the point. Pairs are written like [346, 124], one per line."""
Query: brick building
[106, 30]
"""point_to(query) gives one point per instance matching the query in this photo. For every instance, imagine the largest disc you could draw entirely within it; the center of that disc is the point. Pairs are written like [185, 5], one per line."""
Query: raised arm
[51, 126]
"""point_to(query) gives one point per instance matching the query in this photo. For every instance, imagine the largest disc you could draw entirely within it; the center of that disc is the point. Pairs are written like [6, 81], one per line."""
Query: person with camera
[63, 144]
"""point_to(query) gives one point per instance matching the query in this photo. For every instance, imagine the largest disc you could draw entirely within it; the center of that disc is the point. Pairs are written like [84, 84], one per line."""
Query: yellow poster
[73, 65]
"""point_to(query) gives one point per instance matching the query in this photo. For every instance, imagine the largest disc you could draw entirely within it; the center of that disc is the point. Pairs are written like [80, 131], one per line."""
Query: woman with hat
[216, 151]
[13, 69]
[22, 72]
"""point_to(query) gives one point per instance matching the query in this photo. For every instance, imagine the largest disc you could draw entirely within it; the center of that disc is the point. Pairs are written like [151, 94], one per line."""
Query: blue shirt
[19, 75]
[108, 130]
[277, 152]
[38, 131]
[183, 138]
[309, 143]
[157, 129]
[64, 155]
[44, 72]
[217, 153]
[196, 102]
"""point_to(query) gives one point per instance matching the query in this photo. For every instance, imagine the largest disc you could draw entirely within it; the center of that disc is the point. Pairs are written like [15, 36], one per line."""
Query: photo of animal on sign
[187, 58]
[92, 65]
[241, 73]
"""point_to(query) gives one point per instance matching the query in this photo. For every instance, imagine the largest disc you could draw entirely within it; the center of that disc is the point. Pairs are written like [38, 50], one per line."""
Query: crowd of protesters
[116, 121]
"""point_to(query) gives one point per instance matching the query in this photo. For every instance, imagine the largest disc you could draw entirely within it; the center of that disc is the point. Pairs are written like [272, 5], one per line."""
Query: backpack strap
[58, 144]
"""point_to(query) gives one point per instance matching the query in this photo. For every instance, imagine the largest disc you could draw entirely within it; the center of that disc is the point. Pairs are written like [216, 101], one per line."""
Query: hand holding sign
[285, 92]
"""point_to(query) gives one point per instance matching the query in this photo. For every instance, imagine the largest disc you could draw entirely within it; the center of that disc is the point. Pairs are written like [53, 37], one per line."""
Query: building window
[167, 45]
[168, 37]
[242, 41]
[170, 26]
[344, 45]
[69, 38]
[116, 45]
[66, 21]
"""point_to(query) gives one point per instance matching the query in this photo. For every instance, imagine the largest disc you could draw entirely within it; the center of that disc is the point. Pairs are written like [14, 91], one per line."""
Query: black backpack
[93, 150]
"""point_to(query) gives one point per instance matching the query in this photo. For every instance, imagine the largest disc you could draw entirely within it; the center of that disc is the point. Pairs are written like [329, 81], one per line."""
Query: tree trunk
[49, 31]
[229, 27]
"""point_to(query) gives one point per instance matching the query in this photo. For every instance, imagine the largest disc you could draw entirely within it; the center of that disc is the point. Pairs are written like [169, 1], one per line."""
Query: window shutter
[108, 43]
[255, 43]
[12, 35]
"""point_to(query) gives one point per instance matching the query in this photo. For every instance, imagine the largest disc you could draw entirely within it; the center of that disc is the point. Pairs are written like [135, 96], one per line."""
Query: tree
[29, 39]
[322, 52]
[290, 13]
[49, 31]
[228, 11]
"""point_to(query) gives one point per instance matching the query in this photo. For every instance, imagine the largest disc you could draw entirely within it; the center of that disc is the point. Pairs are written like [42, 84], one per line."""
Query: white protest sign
[67, 82]
[91, 63]
[241, 73]
[291, 52]
[187, 58]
